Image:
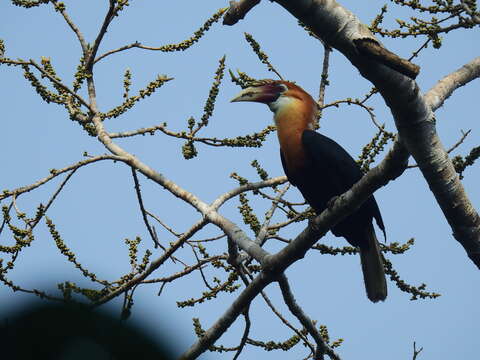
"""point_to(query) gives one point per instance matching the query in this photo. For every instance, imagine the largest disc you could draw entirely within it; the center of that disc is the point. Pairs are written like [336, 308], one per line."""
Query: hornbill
[321, 169]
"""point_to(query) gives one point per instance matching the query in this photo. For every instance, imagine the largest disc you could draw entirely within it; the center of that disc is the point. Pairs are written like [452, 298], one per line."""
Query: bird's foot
[331, 202]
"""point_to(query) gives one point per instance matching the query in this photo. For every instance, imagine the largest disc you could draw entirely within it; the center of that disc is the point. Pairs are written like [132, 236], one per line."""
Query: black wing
[335, 170]
[289, 176]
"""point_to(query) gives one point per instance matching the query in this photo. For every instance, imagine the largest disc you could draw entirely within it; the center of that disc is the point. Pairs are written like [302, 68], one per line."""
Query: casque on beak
[255, 94]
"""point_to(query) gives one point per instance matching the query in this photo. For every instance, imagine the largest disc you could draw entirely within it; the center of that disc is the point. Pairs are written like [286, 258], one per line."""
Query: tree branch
[56, 172]
[154, 265]
[295, 309]
[442, 90]
[390, 168]
[75, 29]
[106, 22]
[152, 233]
[238, 10]
[414, 119]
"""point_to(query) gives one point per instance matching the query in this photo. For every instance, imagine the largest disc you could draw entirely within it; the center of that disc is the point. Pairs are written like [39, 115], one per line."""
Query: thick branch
[413, 117]
[390, 168]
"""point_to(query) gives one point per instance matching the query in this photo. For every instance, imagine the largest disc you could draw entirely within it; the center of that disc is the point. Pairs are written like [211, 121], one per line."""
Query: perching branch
[390, 168]
[414, 119]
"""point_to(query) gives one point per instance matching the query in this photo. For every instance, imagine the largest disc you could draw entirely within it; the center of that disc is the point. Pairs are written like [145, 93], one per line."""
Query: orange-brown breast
[290, 138]
[291, 120]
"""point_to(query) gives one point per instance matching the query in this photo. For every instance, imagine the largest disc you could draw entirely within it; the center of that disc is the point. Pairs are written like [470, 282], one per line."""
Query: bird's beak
[255, 94]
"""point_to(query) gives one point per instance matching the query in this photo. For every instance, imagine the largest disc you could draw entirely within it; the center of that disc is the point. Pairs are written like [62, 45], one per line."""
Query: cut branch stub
[376, 52]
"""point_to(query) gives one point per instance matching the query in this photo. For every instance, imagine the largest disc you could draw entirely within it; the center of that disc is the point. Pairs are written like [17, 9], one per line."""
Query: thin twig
[415, 351]
[154, 264]
[323, 79]
[247, 187]
[415, 53]
[219, 237]
[200, 269]
[76, 30]
[106, 22]
[142, 209]
[169, 229]
[56, 82]
[54, 196]
[357, 102]
[262, 233]
[4, 221]
[322, 346]
[272, 307]
[187, 270]
[286, 322]
[56, 172]
[243, 341]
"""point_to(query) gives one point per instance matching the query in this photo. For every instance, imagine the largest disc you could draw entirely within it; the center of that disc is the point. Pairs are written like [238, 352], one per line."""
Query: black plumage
[330, 171]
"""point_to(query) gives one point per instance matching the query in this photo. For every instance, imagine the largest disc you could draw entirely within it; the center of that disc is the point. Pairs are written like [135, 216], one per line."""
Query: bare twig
[424, 46]
[323, 79]
[286, 322]
[165, 226]
[295, 309]
[54, 196]
[187, 270]
[169, 47]
[75, 29]
[200, 269]
[247, 187]
[142, 208]
[415, 351]
[215, 238]
[357, 102]
[154, 264]
[56, 172]
[262, 233]
[106, 22]
[243, 341]
[9, 208]
[49, 76]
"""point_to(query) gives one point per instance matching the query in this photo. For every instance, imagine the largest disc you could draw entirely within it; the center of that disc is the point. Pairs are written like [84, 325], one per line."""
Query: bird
[322, 170]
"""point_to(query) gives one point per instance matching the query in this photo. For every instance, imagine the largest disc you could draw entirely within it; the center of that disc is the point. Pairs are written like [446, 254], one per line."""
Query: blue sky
[98, 209]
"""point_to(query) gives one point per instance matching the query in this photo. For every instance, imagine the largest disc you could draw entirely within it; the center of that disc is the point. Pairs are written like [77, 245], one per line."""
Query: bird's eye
[283, 87]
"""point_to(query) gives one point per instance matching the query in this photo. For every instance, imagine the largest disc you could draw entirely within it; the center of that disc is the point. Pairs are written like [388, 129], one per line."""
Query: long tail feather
[372, 267]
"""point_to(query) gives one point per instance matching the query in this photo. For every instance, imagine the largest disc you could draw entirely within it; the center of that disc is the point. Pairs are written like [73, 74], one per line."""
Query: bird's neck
[292, 119]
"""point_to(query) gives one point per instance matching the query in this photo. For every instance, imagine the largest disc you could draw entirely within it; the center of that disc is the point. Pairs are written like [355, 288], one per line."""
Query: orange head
[284, 98]
[294, 111]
